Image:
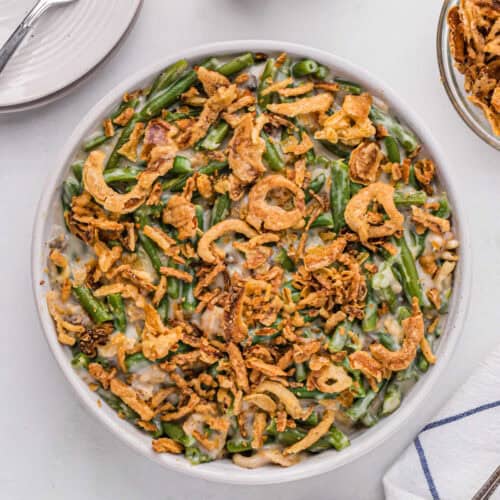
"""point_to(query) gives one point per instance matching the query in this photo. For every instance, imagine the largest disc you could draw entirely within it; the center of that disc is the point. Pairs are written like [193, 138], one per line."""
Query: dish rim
[455, 91]
[225, 471]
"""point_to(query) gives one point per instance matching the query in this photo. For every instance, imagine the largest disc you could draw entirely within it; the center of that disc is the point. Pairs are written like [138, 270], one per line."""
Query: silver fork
[10, 46]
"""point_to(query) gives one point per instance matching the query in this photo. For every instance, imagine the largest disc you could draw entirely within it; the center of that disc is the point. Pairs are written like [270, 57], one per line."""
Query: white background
[50, 447]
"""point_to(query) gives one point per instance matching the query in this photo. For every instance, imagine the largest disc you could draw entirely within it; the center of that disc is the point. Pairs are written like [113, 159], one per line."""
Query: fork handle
[10, 46]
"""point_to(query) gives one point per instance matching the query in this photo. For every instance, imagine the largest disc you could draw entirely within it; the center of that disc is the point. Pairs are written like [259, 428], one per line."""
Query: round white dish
[225, 471]
[64, 46]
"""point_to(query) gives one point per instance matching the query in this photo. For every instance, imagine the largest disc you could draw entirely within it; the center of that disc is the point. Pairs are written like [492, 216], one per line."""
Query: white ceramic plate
[49, 213]
[64, 46]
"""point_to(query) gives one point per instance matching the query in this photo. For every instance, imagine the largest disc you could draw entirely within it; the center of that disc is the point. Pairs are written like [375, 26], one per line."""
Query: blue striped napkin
[457, 455]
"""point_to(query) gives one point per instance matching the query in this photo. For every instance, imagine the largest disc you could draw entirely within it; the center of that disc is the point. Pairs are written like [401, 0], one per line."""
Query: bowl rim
[222, 471]
[453, 88]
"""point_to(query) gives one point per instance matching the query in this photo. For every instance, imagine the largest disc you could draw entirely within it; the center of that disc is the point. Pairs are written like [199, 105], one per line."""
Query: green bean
[238, 446]
[123, 106]
[176, 184]
[181, 166]
[267, 74]
[168, 96]
[173, 288]
[168, 76]
[211, 63]
[337, 149]
[215, 136]
[196, 456]
[405, 266]
[323, 220]
[412, 178]
[174, 116]
[408, 198]
[336, 438]
[402, 313]
[393, 153]
[175, 432]
[312, 420]
[339, 337]
[369, 419]
[136, 361]
[382, 288]
[304, 67]
[370, 318]
[117, 404]
[189, 302]
[360, 406]
[95, 142]
[405, 137]
[300, 372]
[284, 261]
[236, 65]
[163, 308]
[114, 157]
[94, 307]
[272, 155]
[316, 185]
[422, 363]
[339, 193]
[416, 243]
[71, 187]
[122, 174]
[80, 360]
[115, 303]
[77, 169]
[444, 210]
[388, 341]
[302, 393]
[408, 373]
[392, 398]
[221, 209]
[264, 339]
[213, 167]
[321, 73]
[151, 250]
[349, 87]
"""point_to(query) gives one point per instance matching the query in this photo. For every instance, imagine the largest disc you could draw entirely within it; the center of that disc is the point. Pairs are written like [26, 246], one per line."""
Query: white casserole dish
[48, 214]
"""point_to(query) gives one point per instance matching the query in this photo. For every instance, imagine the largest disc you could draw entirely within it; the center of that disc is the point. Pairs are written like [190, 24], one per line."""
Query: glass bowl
[453, 82]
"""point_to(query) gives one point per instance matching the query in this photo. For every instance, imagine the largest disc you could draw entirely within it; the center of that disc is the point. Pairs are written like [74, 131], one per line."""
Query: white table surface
[50, 447]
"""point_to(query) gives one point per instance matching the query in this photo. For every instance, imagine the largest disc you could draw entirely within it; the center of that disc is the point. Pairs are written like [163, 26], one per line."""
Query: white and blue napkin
[457, 455]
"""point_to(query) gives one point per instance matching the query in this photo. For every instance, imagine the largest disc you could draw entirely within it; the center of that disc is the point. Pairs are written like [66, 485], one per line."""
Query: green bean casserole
[256, 262]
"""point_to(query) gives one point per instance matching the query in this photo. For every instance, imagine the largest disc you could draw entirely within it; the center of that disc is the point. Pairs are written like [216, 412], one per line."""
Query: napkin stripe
[425, 468]
[444, 421]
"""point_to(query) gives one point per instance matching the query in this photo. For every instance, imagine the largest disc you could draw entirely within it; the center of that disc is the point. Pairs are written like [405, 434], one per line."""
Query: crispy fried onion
[313, 435]
[274, 217]
[162, 158]
[357, 210]
[238, 366]
[213, 107]
[263, 457]
[369, 366]
[166, 445]
[211, 80]
[158, 133]
[205, 250]
[262, 401]
[157, 340]
[318, 257]
[289, 400]
[364, 163]
[245, 151]
[255, 252]
[350, 124]
[413, 328]
[181, 213]
[331, 378]
[131, 398]
[196, 425]
[319, 103]
[436, 224]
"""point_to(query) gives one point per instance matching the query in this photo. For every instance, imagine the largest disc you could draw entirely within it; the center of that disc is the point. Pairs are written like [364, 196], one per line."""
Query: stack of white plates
[65, 45]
